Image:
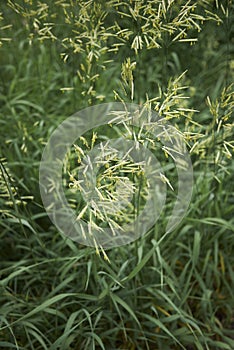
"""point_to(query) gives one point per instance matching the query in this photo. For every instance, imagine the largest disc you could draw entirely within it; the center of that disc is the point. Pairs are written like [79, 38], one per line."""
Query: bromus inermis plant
[164, 291]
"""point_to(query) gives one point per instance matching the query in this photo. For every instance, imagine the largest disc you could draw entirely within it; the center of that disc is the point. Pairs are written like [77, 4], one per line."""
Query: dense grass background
[162, 291]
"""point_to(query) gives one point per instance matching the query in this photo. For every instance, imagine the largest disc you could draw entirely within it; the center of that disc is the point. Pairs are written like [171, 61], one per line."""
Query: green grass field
[163, 291]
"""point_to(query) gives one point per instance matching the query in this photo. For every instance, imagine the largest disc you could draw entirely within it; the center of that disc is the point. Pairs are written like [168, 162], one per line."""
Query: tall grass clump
[163, 291]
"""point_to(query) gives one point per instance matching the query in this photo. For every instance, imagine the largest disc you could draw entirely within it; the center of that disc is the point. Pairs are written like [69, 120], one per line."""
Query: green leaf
[121, 302]
[139, 266]
[196, 247]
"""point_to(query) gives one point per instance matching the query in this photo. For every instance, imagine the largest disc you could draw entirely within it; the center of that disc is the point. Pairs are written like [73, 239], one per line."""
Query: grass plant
[163, 291]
